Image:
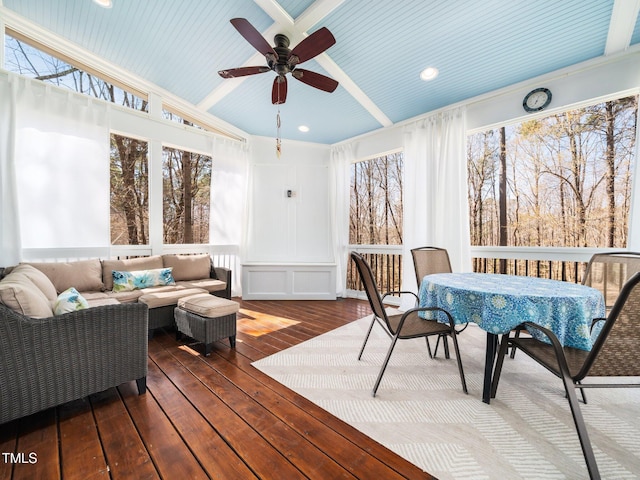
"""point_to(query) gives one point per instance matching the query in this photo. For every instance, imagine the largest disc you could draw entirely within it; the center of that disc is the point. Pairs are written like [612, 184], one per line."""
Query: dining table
[498, 303]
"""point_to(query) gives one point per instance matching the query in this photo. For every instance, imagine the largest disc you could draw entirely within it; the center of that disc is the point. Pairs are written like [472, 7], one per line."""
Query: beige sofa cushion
[83, 275]
[125, 297]
[39, 279]
[170, 297]
[131, 264]
[21, 295]
[209, 284]
[207, 305]
[188, 267]
[99, 302]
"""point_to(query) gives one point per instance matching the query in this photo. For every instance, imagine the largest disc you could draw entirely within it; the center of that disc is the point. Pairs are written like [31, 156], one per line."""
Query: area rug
[422, 414]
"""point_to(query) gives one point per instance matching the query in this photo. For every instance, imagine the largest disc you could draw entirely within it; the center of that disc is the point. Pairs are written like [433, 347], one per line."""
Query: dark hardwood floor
[206, 417]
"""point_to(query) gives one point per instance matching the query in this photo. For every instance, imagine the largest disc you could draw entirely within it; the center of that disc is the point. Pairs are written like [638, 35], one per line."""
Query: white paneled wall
[282, 228]
[289, 251]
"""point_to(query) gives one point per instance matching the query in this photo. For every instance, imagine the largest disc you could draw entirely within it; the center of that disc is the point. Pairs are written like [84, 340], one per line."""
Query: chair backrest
[428, 260]
[608, 272]
[616, 351]
[370, 287]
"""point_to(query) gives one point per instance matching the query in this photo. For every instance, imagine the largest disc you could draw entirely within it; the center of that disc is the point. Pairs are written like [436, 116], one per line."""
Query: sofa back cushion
[83, 275]
[39, 279]
[188, 267]
[20, 294]
[128, 265]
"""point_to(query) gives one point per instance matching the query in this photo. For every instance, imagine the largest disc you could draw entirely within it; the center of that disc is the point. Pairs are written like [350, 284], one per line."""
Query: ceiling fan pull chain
[278, 142]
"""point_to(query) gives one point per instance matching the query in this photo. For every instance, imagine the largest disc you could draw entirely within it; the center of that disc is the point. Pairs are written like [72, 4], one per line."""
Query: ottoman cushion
[207, 305]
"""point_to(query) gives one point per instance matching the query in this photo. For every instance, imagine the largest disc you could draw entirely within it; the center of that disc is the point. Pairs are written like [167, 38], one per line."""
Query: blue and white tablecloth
[498, 303]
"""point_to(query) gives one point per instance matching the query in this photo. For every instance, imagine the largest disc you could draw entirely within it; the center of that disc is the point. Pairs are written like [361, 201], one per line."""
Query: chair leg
[366, 338]
[462, 379]
[502, 352]
[435, 350]
[384, 365]
[584, 395]
[428, 347]
[445, 342]
[513, 349]
[581, 428]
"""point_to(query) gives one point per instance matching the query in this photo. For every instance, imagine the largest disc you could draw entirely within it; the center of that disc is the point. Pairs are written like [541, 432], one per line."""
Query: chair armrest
[595, 321]
[417, 311]
[400, 292]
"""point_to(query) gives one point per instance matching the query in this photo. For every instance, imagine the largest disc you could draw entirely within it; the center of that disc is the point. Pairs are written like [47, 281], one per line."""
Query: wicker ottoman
[206, 318]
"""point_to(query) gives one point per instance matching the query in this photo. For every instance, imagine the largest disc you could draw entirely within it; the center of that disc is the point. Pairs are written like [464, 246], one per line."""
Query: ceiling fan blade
[242, 71]
[253, 36]
[314, 79]
[313, 45]
[279, 91]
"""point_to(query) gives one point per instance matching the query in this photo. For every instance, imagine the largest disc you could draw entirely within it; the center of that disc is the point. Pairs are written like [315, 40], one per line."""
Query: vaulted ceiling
[175, 49]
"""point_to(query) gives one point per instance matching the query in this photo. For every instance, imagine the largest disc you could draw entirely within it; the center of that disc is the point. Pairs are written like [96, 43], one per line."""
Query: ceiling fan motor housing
[281, 65]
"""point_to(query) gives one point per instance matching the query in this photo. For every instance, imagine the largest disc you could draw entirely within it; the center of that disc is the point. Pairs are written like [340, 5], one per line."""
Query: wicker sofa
[51, 353]
[45, 362]
[93, 279]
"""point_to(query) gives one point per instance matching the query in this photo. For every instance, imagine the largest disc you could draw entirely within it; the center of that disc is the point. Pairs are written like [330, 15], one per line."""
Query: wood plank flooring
[206, 417]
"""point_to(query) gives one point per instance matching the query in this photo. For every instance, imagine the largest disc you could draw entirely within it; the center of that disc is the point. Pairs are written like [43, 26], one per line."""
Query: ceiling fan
[282, 60]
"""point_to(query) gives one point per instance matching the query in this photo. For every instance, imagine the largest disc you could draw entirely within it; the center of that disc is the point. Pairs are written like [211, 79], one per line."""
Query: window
[129, 191]
[375, 217]
[33, 62]
[376, 201]
[175, 117]
[559, 181]
[186, 205]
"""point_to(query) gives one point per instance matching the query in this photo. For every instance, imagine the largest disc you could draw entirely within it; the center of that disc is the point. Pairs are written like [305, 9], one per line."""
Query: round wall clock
[537, 100]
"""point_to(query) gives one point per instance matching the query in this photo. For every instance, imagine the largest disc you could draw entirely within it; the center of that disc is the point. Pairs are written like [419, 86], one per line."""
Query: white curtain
[9, 224]
[229, 201]
[435, 174]
[339, 194]
[62, 167]
[633, 242]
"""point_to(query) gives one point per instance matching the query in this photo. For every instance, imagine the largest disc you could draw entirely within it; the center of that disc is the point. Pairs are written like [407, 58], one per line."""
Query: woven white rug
[422, 414]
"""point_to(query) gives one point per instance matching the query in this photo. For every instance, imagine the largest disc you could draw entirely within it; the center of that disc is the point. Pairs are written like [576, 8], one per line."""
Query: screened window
[559, 181]
[129, 191]
[376, 201]
[186, 203]
[33, 62]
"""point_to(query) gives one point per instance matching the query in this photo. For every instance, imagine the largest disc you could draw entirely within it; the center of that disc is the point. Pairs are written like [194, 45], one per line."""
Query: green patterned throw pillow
[69, 301]
[137, 279]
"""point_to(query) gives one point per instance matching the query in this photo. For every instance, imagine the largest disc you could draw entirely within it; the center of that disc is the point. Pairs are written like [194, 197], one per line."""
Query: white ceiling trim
[354, 90]
[623, 21]
[275, 11]
[316, 12]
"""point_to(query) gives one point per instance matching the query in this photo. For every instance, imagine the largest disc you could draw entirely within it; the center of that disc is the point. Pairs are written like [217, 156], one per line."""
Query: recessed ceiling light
[104, 3]
[303, 128]
[429, 73]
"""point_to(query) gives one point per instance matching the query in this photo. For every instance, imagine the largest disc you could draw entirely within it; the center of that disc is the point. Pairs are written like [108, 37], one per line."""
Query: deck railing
[566, 264]
[223, 255]
[386, 264]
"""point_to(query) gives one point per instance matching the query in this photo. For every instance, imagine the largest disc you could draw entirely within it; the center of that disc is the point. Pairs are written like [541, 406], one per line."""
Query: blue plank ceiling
[382, 46]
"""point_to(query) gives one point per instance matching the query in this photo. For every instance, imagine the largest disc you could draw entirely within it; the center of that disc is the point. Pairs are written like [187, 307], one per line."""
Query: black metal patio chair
[615, 353]
[426, 261]
[402, 325]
